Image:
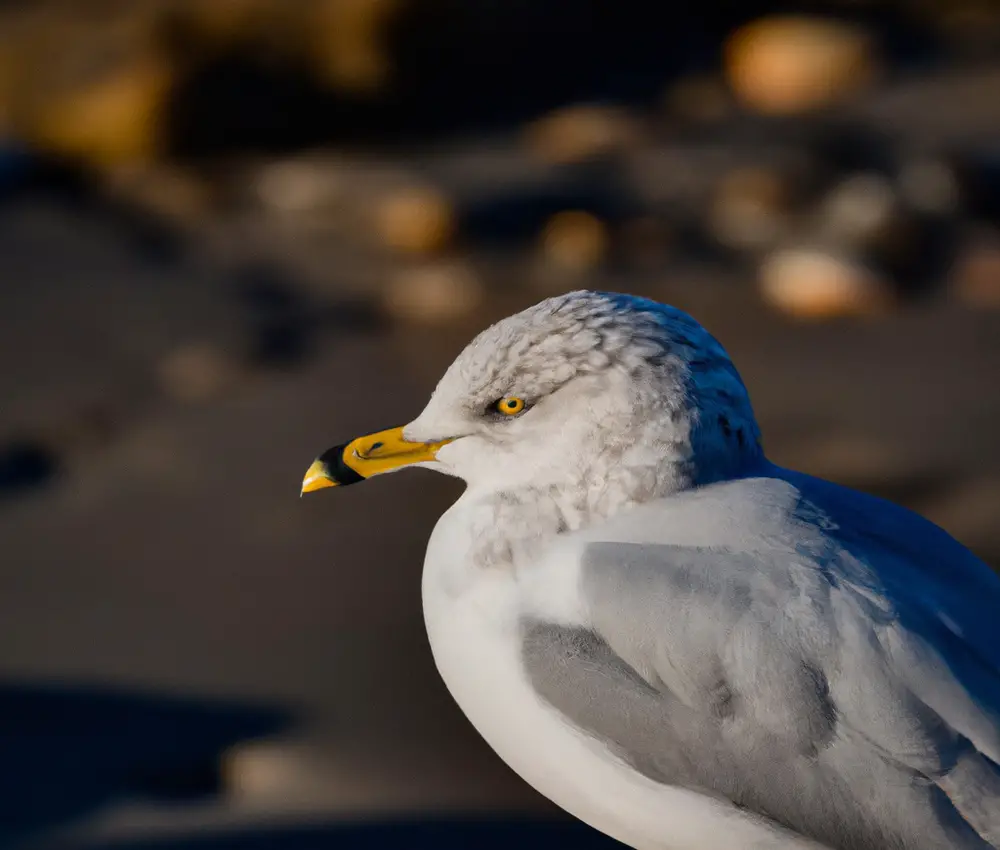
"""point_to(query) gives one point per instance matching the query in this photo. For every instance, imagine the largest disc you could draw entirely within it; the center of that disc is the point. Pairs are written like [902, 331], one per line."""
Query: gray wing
[814, 680]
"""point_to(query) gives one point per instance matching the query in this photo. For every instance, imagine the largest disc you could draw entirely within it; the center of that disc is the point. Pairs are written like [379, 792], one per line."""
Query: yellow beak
[366, 456]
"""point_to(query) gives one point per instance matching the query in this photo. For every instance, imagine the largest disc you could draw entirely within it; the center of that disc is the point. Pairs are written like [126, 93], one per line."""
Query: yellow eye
[509, 405]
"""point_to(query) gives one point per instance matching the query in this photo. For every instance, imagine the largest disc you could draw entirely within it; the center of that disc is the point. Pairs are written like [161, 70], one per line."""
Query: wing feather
[816, 672]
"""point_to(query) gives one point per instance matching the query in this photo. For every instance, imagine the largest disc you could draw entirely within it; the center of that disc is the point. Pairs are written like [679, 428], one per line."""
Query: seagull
[677, 641]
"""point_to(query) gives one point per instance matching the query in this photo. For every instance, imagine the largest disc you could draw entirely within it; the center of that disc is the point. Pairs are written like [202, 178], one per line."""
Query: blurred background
[236, 232]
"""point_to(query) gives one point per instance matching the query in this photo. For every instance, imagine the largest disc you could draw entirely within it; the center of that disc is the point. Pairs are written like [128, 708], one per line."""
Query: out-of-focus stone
[699, 99]
[165, 191]
[575, 240]
[298, 186]
[85, 428]
[90, 81]
[579, 133]
[930, 185]
[788, 64]
[115, 117]
[348, 43]
[415, 220]
[433, 294]
[10, 49]
[196, 372]
[810, 283]
[860, 210]
[222, 24]
[975, 277]
[972, 27]
[255, 770]
[750, 208]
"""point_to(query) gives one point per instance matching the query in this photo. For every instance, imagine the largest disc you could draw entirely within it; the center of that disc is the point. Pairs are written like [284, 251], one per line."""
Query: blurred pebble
[117, 118]
[196, 372]
[975, 277]
[930, 185]
[750, 207]
[348, 43]
[166, 191]
[296, 186]
[574, 240]
[578, 133]
[859, 210]
[971, 26]
[222, 23]
[257, 769]
[433, 294]
[816, 284]
[699, 99]
[85, 428]
[787, 64]
[417, 220]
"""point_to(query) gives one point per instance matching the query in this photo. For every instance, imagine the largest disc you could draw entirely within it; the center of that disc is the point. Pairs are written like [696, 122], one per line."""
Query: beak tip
[317, 477]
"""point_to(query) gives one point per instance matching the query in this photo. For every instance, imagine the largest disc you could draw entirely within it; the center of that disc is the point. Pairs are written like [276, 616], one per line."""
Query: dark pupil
[512, 404]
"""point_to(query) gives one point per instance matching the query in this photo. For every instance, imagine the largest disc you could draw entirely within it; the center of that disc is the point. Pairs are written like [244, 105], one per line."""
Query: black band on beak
[333, 460]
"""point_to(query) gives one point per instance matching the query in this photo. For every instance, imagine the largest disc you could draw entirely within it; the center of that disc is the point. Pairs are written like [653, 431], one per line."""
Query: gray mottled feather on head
[686, 371]
[808, 664]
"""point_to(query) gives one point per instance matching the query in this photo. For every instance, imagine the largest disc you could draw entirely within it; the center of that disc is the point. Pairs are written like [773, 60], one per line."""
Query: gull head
[621, 397]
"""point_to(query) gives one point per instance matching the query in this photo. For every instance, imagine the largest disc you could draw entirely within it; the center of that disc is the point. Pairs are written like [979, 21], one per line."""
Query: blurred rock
[196, 372]
[575, 241]
[810, 283]
[930, 185]
[10, 48]
[750, 208]
[860, 210]
[699, 99]
[415, 220]
[91, 81]
[971, 27]
[85, 428]
[256, 769]
[789, 64]
[223, 24]
[163, 190]
[579, 133]
[975, 277]
[347, 43]
[865, 216]
[116, 118]
[953, 108]
[433, 294]
[302, 185]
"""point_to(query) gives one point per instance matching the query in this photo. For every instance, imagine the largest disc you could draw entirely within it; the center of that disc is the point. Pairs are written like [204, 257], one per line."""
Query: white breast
[472, 616]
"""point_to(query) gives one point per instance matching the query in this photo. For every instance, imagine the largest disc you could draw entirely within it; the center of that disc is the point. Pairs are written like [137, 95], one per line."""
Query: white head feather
[625, 400]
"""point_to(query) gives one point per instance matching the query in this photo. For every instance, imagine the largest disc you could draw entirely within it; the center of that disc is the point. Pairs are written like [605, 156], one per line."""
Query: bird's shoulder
[783, 528]
[817, 577]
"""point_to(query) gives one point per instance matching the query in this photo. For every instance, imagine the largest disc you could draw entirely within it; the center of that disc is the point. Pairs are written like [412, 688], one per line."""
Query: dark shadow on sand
[67, 750]
[398, 835]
